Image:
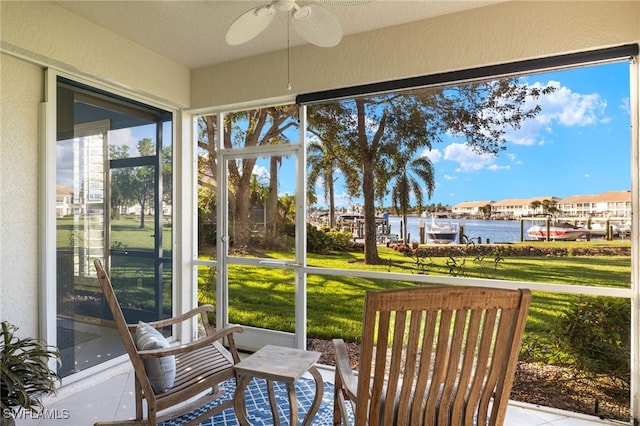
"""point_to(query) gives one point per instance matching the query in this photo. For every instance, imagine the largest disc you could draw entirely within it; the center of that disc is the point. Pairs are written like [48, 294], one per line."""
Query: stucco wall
[21, 86]
[47, 33]
[501, 33]
[44, 34]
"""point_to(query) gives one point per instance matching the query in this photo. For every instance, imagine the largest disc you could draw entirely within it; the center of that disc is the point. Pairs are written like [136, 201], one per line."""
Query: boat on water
[600, 229]
[441, 232]
[557, 231]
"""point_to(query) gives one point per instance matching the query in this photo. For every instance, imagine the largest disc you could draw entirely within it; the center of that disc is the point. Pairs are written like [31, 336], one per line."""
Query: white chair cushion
[161, 371]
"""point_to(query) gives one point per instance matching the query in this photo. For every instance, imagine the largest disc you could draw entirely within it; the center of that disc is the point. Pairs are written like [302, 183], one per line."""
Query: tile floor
[110, 397]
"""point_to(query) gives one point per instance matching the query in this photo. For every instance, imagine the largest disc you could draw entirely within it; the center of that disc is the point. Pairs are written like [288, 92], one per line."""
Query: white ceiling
[192, 33]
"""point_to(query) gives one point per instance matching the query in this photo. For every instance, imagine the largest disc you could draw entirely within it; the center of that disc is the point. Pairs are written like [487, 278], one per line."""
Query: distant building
[64, 201]
[612, 203]
[607, 204]
[470, 208]
[519, 207]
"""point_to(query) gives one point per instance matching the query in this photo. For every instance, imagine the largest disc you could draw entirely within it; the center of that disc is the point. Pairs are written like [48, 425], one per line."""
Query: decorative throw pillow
[161, 371]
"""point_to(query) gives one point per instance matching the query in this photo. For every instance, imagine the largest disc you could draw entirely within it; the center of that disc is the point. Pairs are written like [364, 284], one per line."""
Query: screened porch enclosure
[259, 284]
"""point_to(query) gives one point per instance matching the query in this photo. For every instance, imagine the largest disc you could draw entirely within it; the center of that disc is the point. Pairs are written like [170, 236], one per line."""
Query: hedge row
[506, 250]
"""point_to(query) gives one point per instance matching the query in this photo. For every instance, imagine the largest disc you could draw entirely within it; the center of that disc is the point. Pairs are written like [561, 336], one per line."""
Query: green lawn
[265, 297]
[126, 233]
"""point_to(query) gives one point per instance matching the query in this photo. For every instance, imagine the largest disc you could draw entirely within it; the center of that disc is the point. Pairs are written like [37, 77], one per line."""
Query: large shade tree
[373, 128]
[251, 128]
[137, 185]
[142, 180]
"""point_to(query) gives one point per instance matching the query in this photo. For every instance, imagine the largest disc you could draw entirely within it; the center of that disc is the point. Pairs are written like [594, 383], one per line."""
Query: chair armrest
[180, 318]
[196, 344]
[202, 309]
[344, 371]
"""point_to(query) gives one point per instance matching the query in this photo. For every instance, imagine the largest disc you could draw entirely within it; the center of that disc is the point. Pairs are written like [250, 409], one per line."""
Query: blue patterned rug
[258, 409]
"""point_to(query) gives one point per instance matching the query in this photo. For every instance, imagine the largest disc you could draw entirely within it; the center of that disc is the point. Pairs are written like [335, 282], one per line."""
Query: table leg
[272, 402]
[293, 403]
[239, 402]
[317, 377]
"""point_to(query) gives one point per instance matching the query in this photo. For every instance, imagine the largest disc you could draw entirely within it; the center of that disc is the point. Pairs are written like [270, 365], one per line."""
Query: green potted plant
[26, 376]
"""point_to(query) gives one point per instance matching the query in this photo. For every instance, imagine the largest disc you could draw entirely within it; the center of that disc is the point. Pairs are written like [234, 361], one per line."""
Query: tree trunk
[272, 198]
[239, 202]
[367, 154]
[240, 232]
[370, 241]
[142, 205]
[332, 207]
[405, 234]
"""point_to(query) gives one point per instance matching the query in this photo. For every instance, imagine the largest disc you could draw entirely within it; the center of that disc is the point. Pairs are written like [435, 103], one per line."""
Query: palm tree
[410, 179]
[549, 206]
[486, 211]
[535, 205]
[322, 165]
[259, 194]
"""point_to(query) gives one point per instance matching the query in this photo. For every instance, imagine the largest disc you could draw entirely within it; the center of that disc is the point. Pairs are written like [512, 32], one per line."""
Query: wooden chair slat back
[123, 329]
[439, 355]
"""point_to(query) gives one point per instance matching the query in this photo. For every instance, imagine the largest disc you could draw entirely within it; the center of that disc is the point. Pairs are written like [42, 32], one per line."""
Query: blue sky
[578, 144]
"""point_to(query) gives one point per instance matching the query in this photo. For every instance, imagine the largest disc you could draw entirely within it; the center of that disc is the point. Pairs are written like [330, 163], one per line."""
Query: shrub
[323, 241]
[342, 241]
[597, 331]
[318, 241]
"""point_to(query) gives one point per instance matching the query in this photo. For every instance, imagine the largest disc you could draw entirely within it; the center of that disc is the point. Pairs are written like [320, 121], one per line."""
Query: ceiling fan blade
[249, 24]
[346, 2]
[317, 25]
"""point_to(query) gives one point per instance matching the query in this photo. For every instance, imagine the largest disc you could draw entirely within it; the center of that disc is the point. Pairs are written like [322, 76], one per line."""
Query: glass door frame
[47, 291]
[254, 338]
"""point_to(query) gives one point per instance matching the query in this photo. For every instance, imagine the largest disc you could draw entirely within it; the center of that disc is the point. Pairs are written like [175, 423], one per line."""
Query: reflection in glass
[80, 239]
[111, 204]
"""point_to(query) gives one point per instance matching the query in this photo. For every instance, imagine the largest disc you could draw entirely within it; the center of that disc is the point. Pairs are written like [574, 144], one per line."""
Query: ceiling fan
[311, 20]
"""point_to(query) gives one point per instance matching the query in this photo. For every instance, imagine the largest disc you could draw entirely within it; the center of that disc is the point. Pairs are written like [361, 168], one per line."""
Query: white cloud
[468, 159]
[341, 200]
[124, 136]
[434, 155]
[449, 177]
[562, 107]
[624, 105]
[261, 172]
[496, 167]
[514, 159]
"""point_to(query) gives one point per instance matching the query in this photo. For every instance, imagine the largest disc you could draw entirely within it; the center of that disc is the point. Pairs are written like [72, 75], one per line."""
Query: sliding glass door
[113, 202]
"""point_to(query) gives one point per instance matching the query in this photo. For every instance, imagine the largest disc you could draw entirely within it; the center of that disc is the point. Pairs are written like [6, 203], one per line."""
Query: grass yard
[125, 232]
[264, 297]
[549, 373]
